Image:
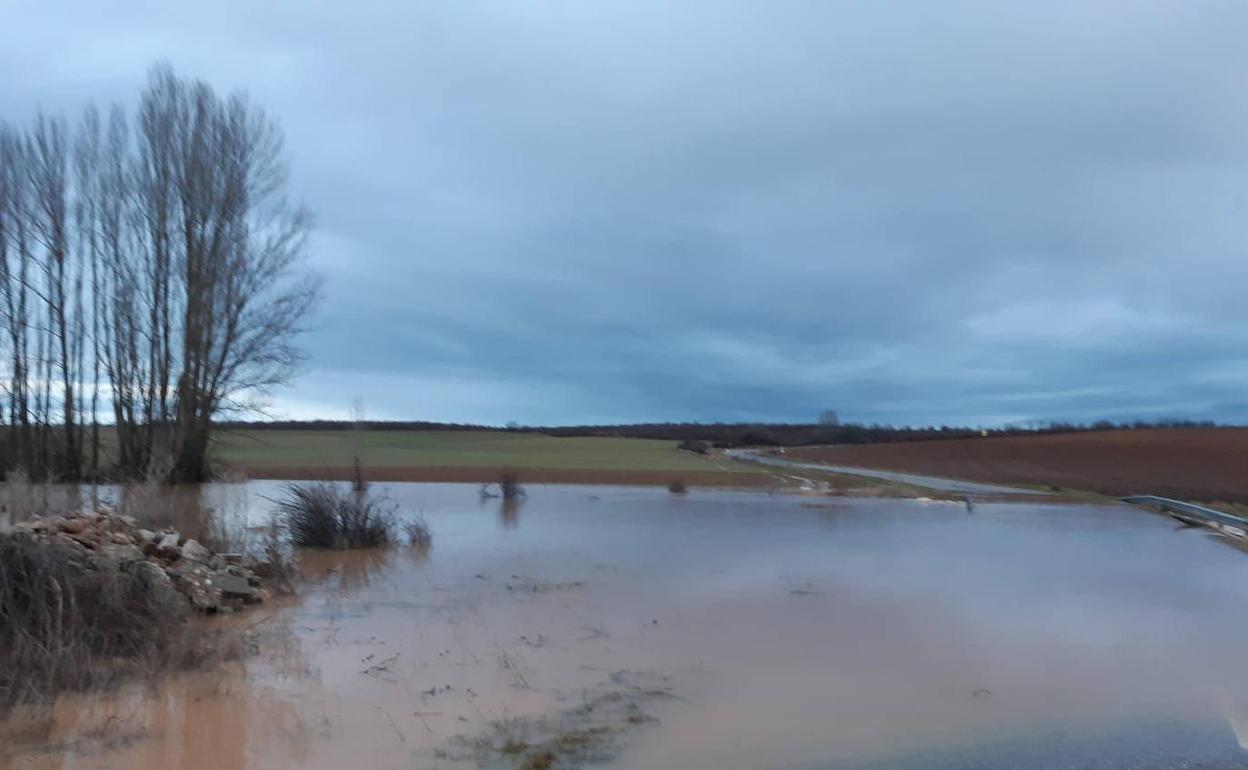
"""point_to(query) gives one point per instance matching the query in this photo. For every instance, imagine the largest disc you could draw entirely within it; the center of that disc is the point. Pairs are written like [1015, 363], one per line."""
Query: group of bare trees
[150, 278]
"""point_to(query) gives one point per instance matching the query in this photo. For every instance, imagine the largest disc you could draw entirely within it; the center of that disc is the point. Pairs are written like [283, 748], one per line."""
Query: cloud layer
[558, 212]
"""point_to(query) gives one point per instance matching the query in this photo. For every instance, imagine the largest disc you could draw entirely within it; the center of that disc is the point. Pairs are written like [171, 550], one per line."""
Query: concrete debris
[210, 583]
[193, 551]
[166, 545]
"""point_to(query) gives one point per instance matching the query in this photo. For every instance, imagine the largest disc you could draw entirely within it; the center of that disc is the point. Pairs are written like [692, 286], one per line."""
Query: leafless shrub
[417, 532]
[71, 622]
[320, 515]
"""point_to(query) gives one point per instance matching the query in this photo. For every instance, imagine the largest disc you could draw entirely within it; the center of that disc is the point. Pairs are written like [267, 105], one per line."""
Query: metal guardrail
[1236, 526]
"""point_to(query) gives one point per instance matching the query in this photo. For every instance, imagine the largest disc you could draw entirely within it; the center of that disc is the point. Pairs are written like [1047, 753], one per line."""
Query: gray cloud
[562, 212]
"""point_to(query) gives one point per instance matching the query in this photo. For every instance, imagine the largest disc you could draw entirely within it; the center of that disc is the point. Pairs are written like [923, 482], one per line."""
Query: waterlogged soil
[631, 628]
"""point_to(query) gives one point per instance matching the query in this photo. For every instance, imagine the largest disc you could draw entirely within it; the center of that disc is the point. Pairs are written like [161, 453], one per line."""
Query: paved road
[936, 483]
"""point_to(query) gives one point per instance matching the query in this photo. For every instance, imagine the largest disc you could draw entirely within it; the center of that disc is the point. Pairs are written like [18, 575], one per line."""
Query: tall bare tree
[87, 219]
[48, 171]
[177, 281]
[234, 244]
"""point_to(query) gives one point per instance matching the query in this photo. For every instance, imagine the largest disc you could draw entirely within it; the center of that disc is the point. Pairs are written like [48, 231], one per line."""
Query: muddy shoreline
[560, 476]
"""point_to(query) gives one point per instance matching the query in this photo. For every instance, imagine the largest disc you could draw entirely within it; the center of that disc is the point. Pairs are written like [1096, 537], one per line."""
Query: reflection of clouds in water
[416, 554]
[1091, 617]
[196, 719]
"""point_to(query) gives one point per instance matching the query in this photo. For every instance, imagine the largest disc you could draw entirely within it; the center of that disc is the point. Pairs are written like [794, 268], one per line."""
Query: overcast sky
[634, 210]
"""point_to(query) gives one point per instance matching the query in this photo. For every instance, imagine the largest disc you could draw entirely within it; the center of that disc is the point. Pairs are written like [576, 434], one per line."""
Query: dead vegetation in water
[594, 731]
[417, 533]
[322, 515]
[508, 486]
[71, 620]
[522, 584]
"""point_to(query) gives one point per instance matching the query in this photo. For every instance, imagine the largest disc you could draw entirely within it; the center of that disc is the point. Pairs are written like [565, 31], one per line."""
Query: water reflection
[191, 720]
[226, 517]
[509, 512]
[340, 571]
[1104, 637]
[20, 499]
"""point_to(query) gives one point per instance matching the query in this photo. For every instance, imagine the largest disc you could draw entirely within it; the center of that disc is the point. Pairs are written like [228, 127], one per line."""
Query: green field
[419, 449]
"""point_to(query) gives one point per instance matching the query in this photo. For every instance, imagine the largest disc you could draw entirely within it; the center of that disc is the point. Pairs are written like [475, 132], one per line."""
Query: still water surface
[787, 632]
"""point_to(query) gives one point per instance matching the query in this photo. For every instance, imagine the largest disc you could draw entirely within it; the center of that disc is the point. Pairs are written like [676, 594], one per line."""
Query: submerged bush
[417, 532]
[321, 515]
[509, 485]
[72, 621]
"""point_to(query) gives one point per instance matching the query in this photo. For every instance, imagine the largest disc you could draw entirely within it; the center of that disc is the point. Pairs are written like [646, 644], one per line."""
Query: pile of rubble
[211, 582]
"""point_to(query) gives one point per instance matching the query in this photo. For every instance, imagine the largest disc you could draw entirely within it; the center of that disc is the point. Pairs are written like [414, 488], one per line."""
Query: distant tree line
[333, 425]
[699, 437]
[726, 435]
[150, 280]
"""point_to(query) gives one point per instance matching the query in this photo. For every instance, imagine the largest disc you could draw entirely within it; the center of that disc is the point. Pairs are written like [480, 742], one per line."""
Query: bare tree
[177, 281]
[120, 327]
[14, 282]
[48, 171]
[235, 244]
[87, 219]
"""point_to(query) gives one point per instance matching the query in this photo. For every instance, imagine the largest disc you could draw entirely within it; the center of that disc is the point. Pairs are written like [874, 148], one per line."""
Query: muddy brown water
[746, 631]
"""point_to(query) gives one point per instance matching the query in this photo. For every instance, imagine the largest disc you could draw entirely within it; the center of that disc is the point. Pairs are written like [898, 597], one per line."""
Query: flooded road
[716, 630]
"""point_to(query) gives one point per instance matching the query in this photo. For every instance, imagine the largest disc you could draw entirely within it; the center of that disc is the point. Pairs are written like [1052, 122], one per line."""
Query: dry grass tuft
[73, 621]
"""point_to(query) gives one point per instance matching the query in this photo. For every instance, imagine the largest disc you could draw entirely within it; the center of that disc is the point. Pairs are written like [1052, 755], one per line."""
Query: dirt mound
[1201, 464]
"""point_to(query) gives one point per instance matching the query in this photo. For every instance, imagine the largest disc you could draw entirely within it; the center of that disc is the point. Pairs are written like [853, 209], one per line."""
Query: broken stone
[193, 550]
[87, 540]
[194, 582]
[233, 586]
[121, 553]
[182, 574]
[73, 526]
[167, 545]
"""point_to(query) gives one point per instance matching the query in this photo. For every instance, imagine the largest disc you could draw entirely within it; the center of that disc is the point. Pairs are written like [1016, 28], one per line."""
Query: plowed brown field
[1207, 464]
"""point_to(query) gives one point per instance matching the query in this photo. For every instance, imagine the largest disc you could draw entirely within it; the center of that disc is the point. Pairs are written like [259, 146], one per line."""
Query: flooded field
[713, 631]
